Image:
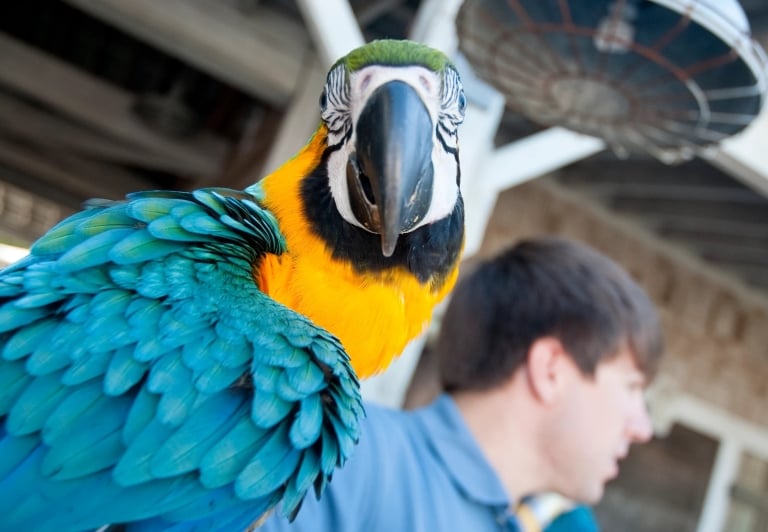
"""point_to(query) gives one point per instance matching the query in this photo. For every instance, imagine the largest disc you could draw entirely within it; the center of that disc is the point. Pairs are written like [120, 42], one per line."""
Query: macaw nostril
[364, 204]
[365, 181]
[367, 189]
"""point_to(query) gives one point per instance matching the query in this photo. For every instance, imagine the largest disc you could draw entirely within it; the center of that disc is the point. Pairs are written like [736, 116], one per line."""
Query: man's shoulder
[389, 430]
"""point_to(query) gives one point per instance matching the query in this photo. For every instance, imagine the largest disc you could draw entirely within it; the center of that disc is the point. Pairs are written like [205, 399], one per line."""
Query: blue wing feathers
[271, 466]
[185, 448]
[228, 457]
[276, 351]
[265, 377]
[168, 227]
[300, 483]
[105, 219]
[35, 405]
[91, 252]
[176, 403]
[123, 372]
[329, 455]
[89, 281]
[38, 300]
[341, 435]
[110, 302]
[23, 473]
[141, 246]
[216, 378]
[86, 368]
[145, 378]
[144, 313]
[199, 223]
[68, 413]
[25, 341]
[13, 450]
[195, 354]
[62, 237]
[148, 208]
[93, 444]
[13, 381]
[125, 276]
[306, 379]
[325, 349]
[231, 352]
[13, 317]
[49, 358]
[166, 372]
[134, 466]
[305, 429]
[269, 409]
[141, 414]
[203, 513]
[285, 391]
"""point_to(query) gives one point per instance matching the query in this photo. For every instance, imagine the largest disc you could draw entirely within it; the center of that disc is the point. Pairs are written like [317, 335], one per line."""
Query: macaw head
[392, 109]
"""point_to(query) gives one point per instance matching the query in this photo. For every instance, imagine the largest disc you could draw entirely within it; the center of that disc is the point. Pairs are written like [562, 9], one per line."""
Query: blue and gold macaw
[177, 357]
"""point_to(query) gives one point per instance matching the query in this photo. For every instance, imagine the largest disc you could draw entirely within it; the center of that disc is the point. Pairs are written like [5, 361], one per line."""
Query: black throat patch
[430, 252]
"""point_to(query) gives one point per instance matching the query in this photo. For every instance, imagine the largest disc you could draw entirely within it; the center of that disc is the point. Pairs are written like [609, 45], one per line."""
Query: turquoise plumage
[144, 376]
[174, 361]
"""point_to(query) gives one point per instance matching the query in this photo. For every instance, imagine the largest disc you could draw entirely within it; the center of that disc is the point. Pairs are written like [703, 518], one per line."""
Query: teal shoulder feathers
[143, 374]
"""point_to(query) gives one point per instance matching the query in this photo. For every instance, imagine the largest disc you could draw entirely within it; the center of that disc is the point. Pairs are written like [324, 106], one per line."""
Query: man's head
[575, 332]
[546, 287]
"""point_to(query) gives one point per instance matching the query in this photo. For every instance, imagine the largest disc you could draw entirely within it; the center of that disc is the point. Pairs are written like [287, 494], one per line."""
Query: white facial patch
[344, 104]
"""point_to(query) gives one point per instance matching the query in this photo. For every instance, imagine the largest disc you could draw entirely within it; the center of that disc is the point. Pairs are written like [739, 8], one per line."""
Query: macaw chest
[374, 316]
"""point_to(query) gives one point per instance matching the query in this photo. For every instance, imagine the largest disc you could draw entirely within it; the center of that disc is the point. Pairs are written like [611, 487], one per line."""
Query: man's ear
[546, 368]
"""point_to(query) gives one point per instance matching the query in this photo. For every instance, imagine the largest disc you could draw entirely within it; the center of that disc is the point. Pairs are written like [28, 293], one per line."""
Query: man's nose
[640, 427]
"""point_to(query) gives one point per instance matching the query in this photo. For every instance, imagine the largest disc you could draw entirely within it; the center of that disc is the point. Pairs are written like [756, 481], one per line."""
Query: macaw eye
[462, 102]
[323, 100]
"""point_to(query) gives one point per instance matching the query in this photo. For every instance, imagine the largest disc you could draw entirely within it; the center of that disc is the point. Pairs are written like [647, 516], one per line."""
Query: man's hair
[545, 287]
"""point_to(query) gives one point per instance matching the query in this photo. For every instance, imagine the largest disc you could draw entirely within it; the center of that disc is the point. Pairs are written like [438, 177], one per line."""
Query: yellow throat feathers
[373, 314]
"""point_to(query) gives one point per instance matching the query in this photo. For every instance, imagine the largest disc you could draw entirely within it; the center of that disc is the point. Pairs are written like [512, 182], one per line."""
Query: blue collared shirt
[411, 472]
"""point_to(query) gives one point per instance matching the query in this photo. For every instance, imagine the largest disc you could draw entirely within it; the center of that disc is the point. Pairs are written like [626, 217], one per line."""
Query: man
[544, 355]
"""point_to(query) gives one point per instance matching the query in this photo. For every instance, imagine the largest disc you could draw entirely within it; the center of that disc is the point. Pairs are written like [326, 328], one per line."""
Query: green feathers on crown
[392, 52]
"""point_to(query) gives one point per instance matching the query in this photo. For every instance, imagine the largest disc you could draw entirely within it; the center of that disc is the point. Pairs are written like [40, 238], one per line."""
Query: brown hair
[544, 287]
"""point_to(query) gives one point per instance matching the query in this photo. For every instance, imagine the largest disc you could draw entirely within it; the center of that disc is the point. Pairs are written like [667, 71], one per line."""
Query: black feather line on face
[430, 252]
[453, 151]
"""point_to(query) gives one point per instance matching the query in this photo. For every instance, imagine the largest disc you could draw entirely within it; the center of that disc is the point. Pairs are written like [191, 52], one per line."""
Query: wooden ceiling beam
[648, 208]
[30, 124]
[256, 50]
[84, 178]
[674, 191]
[694, 228]
[101, 106]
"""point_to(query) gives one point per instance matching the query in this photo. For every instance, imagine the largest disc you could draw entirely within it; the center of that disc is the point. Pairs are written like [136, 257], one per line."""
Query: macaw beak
[390, 174]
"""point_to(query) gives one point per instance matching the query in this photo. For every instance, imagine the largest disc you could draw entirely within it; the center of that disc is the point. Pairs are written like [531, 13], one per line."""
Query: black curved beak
[390, 175]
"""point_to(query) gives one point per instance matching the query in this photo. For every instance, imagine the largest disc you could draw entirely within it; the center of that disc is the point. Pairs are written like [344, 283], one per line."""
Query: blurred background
[635, 126]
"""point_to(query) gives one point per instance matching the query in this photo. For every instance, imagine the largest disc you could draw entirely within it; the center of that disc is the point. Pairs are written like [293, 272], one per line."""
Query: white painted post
[333, 27]
[335, 32]
[737, 436]
[301, 118]
[477, 148]
[434, 25]
[717, 500]
[745, 156]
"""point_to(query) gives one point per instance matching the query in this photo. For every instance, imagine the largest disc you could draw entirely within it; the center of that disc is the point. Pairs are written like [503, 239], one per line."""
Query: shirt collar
[449, 437]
